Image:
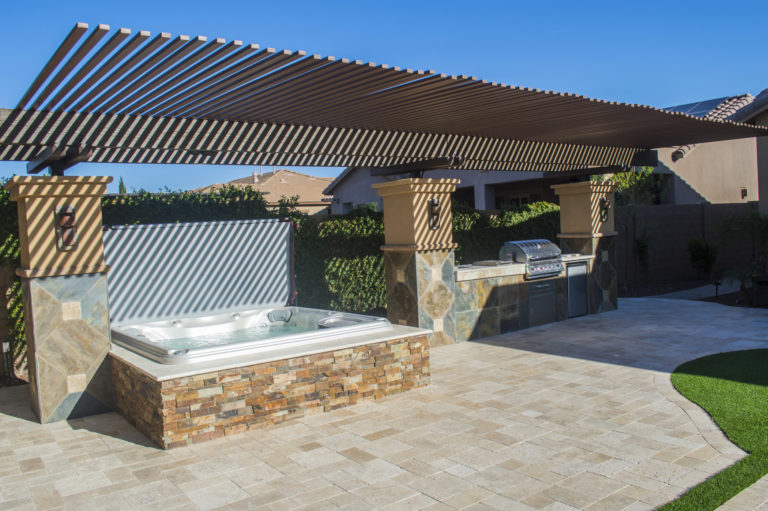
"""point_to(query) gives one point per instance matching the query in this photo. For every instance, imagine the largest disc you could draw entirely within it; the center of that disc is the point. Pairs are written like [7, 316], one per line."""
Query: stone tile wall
[67, 331]
[420, 291]
[193, 409]
[492, 306]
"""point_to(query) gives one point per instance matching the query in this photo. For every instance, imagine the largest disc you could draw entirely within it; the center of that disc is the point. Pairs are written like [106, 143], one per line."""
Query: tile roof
[713, 109]
[279, 183]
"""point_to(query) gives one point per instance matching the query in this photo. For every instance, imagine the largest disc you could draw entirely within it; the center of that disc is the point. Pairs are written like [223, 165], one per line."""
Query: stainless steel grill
[542, 258]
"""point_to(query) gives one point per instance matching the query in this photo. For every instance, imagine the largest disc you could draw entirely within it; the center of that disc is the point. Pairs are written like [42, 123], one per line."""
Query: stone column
[64, 282]
[418, 255]
[587, 227]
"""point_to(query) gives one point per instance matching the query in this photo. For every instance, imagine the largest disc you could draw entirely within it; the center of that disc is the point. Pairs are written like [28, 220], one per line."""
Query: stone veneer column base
[603, 288]
[203, 407]
[420, 291]
[67, 332]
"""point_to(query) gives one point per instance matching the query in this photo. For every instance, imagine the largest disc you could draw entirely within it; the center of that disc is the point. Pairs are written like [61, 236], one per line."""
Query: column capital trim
[587, 234]
[584, 187]
[415, 185]
[60, 272]
[22, 187]
[424, 247]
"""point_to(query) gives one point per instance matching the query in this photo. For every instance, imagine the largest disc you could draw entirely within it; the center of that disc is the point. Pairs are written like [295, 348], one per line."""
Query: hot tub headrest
[279, 316]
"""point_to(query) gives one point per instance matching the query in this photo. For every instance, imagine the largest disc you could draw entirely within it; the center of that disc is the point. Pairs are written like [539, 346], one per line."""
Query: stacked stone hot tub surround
[193, 408]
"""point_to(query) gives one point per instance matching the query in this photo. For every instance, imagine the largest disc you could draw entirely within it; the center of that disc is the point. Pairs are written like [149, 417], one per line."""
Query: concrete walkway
[574, 415]
[706, 291]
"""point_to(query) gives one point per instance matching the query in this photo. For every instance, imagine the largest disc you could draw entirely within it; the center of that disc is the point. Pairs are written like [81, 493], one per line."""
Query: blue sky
[654, 53]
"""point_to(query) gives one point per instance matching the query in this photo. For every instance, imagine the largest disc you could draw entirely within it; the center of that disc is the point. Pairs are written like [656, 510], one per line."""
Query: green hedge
[228, 203]
[11, 323]
[339, 265]
[480, 237]
[338, 262]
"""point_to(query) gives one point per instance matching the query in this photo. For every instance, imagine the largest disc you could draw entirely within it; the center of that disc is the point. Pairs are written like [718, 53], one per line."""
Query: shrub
[703, 255]
[480, 237]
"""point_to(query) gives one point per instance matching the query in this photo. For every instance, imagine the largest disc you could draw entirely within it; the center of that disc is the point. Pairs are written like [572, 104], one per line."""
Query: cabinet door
[542, 302]
[577, 289]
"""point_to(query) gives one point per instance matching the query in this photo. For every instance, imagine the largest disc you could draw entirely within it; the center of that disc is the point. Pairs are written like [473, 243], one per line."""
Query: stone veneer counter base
[185, 404]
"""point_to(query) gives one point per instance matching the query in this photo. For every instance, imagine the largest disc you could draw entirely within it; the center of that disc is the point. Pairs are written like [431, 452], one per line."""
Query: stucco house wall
[355, 187]
[714, 172]
[762, 162]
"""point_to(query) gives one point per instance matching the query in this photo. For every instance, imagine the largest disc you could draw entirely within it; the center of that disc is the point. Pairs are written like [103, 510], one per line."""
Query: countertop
[475, 272]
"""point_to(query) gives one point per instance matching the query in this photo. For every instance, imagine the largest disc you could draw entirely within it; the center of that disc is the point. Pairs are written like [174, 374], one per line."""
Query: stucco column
[418, 255]
[587, 227]
[64, 282]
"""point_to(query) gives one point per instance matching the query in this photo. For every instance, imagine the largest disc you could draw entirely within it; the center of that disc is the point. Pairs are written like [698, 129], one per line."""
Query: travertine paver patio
[577, 414]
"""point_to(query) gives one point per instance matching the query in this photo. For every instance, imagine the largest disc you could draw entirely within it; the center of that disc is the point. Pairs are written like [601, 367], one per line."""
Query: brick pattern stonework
[139, 399]
[603, 287]
[420, 291]
[202, 407]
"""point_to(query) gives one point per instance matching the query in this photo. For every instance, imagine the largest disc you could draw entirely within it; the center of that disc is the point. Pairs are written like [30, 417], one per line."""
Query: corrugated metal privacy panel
[169, 270]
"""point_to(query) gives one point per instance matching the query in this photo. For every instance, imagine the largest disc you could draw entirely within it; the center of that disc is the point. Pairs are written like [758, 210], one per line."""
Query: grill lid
[527, 251]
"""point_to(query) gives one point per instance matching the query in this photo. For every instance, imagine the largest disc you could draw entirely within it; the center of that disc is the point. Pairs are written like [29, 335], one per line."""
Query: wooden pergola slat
[69, 42]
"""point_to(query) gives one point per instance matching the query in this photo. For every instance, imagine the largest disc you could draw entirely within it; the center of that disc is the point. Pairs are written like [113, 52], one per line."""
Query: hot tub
[240, 333]
[205, 345]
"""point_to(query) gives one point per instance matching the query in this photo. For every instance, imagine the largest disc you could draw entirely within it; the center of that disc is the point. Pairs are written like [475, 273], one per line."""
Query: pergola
[132, 98]
[117, 96]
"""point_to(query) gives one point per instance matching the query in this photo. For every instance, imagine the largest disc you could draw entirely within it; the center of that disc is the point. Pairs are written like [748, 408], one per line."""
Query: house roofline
[328, 190]
[755, 108]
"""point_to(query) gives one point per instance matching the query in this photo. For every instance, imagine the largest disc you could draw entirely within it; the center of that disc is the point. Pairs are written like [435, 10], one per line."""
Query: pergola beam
[416, 167]
[58, 159]
[140, 139]
[43, 160]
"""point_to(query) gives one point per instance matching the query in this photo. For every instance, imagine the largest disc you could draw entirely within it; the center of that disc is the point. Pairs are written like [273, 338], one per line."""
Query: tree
[121, 187]
[640, 187]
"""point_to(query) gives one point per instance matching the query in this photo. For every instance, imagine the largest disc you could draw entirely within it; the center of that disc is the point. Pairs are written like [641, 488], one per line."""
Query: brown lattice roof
[115, 96]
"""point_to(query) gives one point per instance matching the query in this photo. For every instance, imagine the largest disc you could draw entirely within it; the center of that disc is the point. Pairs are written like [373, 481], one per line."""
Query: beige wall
[715, 171]
[580, 209]
[38, 198]
[406, 213]
[762, 163]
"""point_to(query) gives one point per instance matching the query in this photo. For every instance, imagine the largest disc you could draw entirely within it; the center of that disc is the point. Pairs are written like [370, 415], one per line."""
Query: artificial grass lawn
[733, 389]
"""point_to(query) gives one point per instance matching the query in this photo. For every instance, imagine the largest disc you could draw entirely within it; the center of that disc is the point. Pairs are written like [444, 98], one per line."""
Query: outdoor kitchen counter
[474, 271]
[492, 300]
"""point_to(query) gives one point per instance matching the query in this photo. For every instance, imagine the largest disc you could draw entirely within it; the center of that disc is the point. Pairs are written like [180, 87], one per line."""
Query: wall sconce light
[434, 213]
[605, 205]
[66, 228]
[744, 193]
